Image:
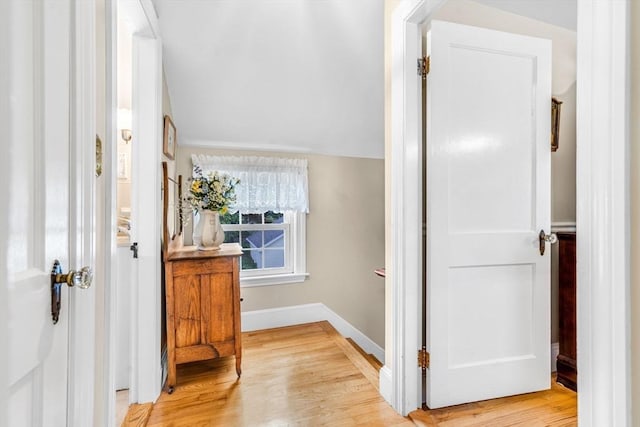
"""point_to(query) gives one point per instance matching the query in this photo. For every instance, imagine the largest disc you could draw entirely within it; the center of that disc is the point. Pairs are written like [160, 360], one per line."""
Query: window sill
[276, 279]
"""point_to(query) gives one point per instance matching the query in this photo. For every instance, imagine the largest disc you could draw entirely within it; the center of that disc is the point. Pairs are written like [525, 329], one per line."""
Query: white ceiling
[287, 75]
[561, 13]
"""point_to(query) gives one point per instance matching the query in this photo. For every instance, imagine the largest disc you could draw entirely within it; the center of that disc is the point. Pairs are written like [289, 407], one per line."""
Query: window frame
[294, 270]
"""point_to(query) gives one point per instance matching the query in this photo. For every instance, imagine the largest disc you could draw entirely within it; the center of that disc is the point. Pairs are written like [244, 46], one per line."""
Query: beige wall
[345, 240]
[563, 162]
[166, 99]
[563, 188]
[635, 212]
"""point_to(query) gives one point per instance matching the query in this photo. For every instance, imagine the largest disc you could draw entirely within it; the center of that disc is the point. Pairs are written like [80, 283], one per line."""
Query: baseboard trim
[563, 226]
[555, 350]
[308, 313]
[385, 383]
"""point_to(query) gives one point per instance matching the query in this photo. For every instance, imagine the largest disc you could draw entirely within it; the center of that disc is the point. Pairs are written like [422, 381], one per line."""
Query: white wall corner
[385, 383]
[555, 351]
[308, 313]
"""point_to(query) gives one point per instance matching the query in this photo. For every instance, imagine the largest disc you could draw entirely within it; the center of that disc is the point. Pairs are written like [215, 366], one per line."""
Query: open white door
[38, 210]
[50, 364]
[146, 217]
[488, 197]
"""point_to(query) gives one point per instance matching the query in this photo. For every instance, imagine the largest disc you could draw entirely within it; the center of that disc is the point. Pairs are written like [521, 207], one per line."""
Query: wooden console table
[203, 306]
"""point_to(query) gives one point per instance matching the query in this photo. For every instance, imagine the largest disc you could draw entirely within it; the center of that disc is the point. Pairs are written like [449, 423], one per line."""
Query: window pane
[231, 237]
[252, 239]
[274, 239]
[230, 218]
[251, 260]
[273, 258]
[271, 217]
[252, 218]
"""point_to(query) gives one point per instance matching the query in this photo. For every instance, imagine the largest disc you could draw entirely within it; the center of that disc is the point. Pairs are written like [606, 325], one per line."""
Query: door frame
[5, 108]
[108, 254]
[82, 213]
[602, 212]
[146, 364]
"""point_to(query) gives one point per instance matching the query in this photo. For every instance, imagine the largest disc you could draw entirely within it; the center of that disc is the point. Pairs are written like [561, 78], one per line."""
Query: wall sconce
[125, 134]
[124, 124]
[555, 123]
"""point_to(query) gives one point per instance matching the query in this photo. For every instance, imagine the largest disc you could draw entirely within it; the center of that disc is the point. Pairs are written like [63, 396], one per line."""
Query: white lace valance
[266, 183]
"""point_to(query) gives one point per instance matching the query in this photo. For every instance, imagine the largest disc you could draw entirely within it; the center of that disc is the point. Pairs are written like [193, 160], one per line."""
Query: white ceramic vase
[208, 234]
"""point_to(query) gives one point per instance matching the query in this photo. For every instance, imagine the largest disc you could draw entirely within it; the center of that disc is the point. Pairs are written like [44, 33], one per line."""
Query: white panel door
[488, 197]
[36, 139]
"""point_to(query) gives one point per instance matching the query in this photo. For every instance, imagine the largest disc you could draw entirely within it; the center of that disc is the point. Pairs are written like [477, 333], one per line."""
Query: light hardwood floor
[304, 375]
[309, 375]
[552, 408]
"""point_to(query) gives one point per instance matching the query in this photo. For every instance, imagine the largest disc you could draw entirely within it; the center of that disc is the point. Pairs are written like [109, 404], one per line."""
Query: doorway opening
[602, 250]
[125, 137]
[563, 162]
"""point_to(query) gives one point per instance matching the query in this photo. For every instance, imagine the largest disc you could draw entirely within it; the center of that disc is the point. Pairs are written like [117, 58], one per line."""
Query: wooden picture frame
[169, 139]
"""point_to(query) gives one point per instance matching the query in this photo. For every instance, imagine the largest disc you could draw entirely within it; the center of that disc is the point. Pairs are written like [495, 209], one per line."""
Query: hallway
[309, 375]
[301, 375]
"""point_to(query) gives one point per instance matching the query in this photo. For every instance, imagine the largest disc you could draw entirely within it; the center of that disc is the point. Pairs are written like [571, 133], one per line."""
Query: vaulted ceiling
[289, 75]
[561, 13]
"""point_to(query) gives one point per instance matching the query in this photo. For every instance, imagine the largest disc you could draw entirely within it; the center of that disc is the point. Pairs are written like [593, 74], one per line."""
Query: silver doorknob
[543, 238]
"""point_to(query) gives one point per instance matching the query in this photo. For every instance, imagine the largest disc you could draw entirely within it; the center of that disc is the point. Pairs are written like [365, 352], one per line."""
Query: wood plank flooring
[309, 375]
[552, 408]
[138, 415]
[305, 375]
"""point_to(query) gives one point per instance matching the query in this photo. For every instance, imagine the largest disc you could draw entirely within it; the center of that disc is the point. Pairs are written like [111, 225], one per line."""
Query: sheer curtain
[266, 183]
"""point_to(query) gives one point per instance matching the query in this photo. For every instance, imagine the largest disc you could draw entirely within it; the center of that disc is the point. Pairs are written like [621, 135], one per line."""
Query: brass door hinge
[424, 64]
[423, 358]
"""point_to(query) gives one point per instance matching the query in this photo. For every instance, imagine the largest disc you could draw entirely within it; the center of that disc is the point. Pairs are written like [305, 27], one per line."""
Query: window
[273, 253]
[270, 223]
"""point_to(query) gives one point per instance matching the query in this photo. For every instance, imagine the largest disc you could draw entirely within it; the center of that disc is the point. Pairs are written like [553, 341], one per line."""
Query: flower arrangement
[212, 191]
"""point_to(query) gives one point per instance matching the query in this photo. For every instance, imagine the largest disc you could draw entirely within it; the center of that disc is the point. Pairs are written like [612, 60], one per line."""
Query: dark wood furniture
[567, 367]
[203, 306]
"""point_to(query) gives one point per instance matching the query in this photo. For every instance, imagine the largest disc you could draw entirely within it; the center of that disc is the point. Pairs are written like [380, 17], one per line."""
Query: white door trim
[109, 224]
[602, 211]
[145, 317]
[406, 197]
[5, 109]
[82, 304]
[146, 369]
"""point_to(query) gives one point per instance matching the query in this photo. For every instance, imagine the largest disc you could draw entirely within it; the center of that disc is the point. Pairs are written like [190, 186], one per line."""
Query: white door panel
[38, 204]
[25, 324]
[488, 196]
